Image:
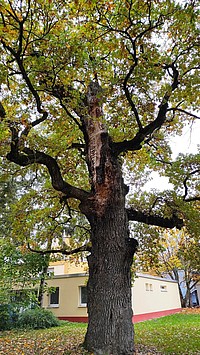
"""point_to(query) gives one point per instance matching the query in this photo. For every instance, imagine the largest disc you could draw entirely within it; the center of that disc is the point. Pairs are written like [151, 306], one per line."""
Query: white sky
[186, 143]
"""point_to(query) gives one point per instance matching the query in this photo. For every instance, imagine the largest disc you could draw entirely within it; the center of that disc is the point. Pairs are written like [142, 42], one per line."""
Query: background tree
[20, 269]
[87, 87]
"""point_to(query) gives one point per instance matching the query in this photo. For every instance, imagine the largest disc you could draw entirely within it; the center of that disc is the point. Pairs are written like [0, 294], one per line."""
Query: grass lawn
[175, 334]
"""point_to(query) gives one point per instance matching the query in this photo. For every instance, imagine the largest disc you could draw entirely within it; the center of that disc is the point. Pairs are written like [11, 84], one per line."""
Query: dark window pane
[83, 294]
[54, 297]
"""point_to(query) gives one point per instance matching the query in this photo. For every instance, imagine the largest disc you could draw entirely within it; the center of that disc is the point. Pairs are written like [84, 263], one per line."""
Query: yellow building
[151, 296]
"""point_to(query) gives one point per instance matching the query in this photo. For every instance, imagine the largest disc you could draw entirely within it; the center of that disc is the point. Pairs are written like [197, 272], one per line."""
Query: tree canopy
[144, 55]
[88, 87]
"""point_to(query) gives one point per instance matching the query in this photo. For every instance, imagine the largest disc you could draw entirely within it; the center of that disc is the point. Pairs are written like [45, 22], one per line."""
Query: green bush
[8, 317]
[37, 318]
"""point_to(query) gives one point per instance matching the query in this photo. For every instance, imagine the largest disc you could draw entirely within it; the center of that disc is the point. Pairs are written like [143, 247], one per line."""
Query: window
[54, 298]
[163, 288]
[83, 296]
[148, 287]
[50, 271]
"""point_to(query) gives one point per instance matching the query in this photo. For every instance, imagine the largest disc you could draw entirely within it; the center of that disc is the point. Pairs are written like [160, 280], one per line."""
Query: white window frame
[54, 305]
[81, 304]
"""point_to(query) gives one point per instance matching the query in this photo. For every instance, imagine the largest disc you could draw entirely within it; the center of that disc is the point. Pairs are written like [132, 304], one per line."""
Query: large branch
[2, 111]
[83, 248]
[29, 156]
[194, 198]
[19, 61]
[136, 142]
[154, 220]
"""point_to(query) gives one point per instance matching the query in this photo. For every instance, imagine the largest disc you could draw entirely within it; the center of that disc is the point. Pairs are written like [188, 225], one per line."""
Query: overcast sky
[187, 143]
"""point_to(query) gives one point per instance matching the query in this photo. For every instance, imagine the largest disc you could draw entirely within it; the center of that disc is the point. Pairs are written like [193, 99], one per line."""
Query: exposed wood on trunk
[100, 164]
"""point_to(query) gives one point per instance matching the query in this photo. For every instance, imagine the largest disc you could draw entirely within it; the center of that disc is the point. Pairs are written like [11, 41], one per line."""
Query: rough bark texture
[110, 329]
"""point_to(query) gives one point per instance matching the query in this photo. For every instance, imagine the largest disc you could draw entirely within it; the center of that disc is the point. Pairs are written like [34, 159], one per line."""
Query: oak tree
[89, 87]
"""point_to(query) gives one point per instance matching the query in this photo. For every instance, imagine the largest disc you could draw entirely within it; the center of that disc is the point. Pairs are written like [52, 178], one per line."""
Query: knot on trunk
[132, 245]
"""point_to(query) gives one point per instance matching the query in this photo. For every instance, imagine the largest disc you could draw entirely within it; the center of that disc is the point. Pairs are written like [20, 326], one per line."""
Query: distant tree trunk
[181, 297]
[188, 295]
[43, 277]
[42, 287]
[175, 276]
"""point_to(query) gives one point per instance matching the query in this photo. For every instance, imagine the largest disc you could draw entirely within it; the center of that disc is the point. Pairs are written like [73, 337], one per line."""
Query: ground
[150, 335]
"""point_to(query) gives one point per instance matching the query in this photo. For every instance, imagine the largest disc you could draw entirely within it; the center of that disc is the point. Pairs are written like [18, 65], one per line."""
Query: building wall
[151, 296]
[69, 297]
[67, 267]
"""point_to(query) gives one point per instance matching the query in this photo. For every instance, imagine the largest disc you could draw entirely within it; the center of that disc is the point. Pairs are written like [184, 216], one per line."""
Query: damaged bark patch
[100, 163]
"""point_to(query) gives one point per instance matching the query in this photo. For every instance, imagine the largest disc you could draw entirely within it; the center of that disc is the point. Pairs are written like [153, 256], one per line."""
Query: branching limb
[30, 86]
[155, 220]
[29, 156]
[83, 248]
[195, 283]
[190, 199]
[2, 111]
[174, 109]
[128, 96]
[136, 142]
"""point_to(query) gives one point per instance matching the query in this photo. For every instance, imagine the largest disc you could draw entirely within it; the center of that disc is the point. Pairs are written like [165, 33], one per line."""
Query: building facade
[151, 296]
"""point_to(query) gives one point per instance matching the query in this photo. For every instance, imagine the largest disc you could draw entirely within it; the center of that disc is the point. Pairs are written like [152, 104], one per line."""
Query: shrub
[8, 317]
[37, 318]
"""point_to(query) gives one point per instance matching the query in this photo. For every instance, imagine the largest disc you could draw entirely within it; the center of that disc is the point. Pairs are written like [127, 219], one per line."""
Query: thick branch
[136, 142]
[83, 248]
[197, 198]
[29, 156]
[2, 111]
[30, 86]
[128, 96]
[194, 283]
[154, 220]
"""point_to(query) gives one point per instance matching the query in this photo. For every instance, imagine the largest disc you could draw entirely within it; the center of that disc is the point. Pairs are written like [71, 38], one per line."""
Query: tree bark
[110, 328]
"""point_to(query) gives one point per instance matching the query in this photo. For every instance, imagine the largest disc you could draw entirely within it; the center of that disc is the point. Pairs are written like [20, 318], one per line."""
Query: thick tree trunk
[110, 328]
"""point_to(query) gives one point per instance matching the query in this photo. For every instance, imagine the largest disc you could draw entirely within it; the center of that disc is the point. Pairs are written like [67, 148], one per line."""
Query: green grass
[175, 334]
